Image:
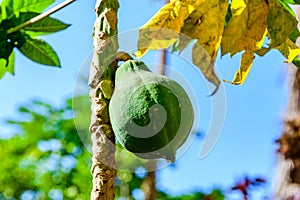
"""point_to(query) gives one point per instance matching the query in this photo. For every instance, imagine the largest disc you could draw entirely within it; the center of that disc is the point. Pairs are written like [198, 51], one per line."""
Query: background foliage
[13, 34]
[46, 159]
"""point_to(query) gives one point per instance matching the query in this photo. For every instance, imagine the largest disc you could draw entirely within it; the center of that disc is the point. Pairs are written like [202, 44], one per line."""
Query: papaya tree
[250, 28]
[234, 27]
[245, 28]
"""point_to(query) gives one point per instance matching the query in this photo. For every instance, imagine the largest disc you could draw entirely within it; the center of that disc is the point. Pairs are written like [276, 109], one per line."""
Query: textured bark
[101, 82]
[149, 186]
[288, 180]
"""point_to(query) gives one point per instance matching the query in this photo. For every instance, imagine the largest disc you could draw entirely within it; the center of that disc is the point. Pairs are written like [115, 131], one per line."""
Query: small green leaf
[284, 3]
[0, 14]
[12, 7]
[5, 46]
[228, 15]
[7, 67]
[292, 1]
[39, 51]
[295, 34]
[45, 26]
[296, 61]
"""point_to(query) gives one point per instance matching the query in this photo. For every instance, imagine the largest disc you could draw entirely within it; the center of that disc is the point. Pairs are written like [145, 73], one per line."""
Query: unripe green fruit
[150, 114]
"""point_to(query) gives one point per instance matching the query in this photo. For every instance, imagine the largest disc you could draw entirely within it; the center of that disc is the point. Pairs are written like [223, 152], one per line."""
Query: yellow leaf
[155, 35]
[246, 64]
[247, 30]
[260, 43]
[206, 24]
[289, 50]
[202, 59]
[154, 39]
[281, 23]
[237, 7]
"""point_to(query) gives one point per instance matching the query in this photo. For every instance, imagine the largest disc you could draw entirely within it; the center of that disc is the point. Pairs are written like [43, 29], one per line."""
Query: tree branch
[40, 17]
[101, 80]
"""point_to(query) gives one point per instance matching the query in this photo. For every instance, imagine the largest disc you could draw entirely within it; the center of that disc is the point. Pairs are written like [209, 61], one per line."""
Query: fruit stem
[123, 56]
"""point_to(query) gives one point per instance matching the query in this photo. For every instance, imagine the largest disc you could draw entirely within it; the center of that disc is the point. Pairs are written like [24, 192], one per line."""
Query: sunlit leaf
[245, 66]
[44, 26]
[10, 7]
[7, 66]
[292, 1]
[237, 7]
[246, 63]
[40, 52]
[289, 50]
[286, 5]
[245, 31]
[155, 35]
[296, 61]
[206, 24]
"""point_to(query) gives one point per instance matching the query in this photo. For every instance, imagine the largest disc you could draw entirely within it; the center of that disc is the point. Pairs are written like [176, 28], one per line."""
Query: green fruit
[150, 114]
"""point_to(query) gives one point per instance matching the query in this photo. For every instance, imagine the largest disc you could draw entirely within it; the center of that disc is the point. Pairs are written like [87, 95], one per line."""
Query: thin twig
[40, 17]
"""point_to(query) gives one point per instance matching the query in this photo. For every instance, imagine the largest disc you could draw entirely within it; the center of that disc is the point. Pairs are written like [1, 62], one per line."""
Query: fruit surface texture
[151, 115]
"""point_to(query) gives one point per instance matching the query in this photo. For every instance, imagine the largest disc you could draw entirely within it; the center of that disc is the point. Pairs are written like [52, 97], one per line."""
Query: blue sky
[253, 111]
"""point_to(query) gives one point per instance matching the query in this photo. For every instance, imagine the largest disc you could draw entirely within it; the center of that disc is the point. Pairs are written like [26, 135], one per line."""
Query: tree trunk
[101, 82]
[287, 184]
[149, 186]
[288, 168]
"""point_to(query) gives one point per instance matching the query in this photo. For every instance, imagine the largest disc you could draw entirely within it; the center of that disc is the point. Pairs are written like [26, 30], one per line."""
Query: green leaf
[45, 26]
[295, 34]
[7, 67]
[284, 3]
[296, 61]
[0, 14]
[228, 15]
[11, 7]
[292, 1]
[39, 51]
